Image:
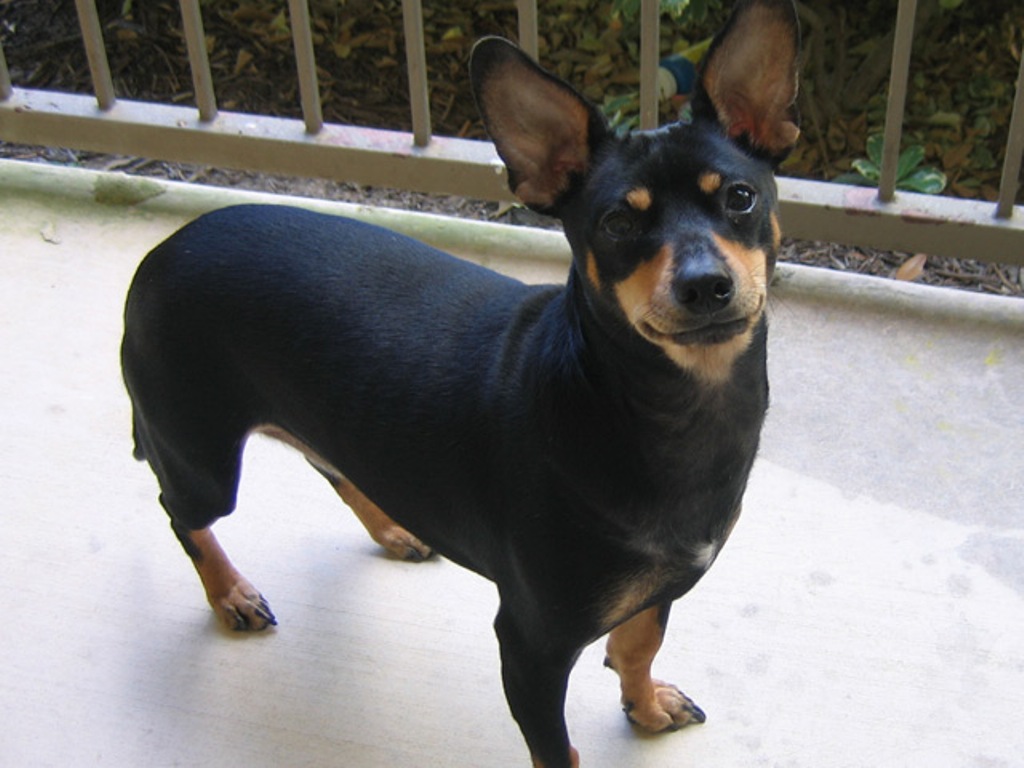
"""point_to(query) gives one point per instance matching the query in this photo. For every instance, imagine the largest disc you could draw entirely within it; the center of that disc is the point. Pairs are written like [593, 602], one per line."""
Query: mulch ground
[362, 80]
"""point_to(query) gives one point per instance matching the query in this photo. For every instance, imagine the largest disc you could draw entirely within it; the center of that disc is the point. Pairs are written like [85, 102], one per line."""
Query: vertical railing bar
[1014, 151]
[198, 60]
[527, 12]
[650, 19]
[5, 77]
[899, 75]
[416, 64]
[305, 63]
[99, 67]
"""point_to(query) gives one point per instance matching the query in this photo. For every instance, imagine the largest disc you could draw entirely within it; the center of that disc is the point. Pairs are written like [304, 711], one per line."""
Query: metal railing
[420, 161]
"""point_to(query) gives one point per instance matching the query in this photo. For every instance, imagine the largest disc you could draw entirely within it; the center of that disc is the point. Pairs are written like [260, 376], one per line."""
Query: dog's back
[351, 334]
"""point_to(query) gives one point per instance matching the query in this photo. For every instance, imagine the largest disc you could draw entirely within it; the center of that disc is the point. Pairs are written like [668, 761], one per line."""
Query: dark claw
[239, 622]
[697, 715]
[264, 612]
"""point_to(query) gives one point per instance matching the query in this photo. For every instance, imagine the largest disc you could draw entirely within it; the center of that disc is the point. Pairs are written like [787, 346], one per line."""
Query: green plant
[693, 10]
[623, 112]
[910, 175]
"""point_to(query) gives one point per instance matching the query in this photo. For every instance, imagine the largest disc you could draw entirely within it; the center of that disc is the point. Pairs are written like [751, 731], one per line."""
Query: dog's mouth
[710, 333]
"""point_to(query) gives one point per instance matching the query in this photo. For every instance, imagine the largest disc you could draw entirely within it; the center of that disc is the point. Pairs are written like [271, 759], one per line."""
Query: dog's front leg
[535, 675]
[651, 704]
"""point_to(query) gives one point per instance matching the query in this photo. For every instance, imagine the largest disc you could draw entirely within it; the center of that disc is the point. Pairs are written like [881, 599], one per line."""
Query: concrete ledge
[83, 187]
[885, 294]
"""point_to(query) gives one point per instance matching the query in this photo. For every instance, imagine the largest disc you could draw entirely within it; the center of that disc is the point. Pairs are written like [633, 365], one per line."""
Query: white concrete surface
[869, 610]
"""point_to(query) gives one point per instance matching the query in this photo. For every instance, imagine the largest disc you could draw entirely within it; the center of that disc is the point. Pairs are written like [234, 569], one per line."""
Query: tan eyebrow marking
[709, 182]
[639, 199]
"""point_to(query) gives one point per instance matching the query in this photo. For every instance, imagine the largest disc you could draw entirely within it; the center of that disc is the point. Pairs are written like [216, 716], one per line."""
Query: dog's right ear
[543, 129]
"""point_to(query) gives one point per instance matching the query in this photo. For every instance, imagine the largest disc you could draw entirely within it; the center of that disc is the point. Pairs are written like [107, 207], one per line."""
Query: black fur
[530, 434]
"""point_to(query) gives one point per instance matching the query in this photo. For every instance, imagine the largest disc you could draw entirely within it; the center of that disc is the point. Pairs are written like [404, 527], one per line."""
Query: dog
[584, 446]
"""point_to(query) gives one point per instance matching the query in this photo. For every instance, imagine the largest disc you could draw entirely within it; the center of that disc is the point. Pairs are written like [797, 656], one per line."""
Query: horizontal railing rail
[421, 161]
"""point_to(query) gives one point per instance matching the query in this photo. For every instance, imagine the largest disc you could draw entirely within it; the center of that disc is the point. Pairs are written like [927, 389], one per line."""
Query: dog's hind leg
[650, 704]
[382, 529]
[198, 472]
[237, 603]
[195, 493]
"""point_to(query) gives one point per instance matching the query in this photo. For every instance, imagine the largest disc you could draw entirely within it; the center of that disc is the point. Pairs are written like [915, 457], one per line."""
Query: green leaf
[675, 8]
[279, 25]
[983, 87]
[613, 104]
[982, 158]
[629, 9]
[946, 119]
[692, 10]
[855, 179]
[930, 181]
[910, 158]
[875, 143]
[867, 169]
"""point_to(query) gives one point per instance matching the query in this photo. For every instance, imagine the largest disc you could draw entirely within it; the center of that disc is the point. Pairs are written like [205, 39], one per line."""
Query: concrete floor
[869, 610]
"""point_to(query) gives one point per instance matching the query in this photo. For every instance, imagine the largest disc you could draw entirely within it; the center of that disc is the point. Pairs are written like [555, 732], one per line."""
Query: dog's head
[673, 231]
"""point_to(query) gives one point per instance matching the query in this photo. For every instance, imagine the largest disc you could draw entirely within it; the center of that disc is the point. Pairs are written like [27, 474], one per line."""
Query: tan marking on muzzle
[750, 272]
[646, 299]
[648, 285]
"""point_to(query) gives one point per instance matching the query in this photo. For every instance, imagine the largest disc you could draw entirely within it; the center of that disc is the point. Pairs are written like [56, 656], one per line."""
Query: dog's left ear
[748, 80]
[543, 129]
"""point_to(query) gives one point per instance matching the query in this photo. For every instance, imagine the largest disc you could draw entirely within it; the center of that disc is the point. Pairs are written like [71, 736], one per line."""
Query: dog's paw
[403, 545]
[243, 609]
[668, 710]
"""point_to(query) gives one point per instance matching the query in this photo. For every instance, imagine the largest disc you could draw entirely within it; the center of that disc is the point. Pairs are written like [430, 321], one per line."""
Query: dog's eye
[740, 198]
[618, 224]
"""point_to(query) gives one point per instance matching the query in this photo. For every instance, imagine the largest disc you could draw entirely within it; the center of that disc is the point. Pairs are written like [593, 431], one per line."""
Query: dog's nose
[703, 284]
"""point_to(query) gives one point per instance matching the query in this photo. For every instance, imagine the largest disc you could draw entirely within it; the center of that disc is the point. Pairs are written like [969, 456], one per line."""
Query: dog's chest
[669, 559]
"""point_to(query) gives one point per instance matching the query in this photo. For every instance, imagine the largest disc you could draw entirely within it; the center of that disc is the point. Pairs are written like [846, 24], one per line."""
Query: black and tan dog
[584, 446]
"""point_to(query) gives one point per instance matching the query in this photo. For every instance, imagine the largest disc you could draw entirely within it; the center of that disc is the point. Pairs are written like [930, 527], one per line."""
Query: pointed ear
[543, 129]
[748, 80]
